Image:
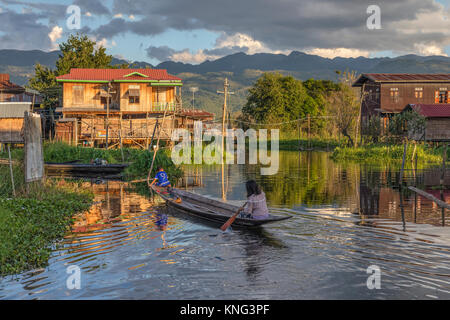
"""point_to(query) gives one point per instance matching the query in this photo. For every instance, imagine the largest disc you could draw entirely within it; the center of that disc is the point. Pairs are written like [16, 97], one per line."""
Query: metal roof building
[14, 109]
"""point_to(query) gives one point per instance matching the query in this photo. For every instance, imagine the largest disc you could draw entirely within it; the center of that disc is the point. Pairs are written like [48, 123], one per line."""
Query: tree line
[333, 108]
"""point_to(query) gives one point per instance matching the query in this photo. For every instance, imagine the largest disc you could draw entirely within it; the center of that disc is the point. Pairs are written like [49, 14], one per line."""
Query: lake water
[346, 218]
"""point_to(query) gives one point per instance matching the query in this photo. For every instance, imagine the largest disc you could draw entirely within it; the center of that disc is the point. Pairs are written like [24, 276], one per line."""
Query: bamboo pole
[11, 171]
[120, 137]
[309, 131]
[444, 159]
[155, 151]
[405, 146]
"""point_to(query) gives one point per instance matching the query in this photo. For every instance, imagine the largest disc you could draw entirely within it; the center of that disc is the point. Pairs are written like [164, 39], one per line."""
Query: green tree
[81, 52]
[44, 81]
[407, 123]
[344, 107]
[275, 98]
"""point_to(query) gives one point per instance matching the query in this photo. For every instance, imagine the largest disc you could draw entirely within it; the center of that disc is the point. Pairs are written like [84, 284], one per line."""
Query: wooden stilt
[444, 159]
[11, 171]
[405, 146]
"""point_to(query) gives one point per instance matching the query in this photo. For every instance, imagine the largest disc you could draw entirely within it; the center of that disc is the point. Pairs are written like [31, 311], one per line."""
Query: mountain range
[241, 69]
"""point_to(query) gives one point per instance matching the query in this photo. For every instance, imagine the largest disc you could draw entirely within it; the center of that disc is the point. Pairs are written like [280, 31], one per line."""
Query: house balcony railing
[114, 107]
[162, 106]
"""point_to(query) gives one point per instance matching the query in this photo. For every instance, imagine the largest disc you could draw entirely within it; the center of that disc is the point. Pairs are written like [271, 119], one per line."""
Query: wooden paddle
[231, 220]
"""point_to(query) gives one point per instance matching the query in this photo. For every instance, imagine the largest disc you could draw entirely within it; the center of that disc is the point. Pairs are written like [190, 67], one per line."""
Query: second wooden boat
[84, 169]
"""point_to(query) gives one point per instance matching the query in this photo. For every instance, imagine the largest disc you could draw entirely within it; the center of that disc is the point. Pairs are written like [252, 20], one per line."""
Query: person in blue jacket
[161, 179]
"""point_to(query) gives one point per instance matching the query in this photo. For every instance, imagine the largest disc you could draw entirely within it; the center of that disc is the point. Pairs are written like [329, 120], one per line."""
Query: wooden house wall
[64, 132]
[437, 129]
[371, 99]
[145, 98]
[10, 130]
[91, 96]
[406, 94]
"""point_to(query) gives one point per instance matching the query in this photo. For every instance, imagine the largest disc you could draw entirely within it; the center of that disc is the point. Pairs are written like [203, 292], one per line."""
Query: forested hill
[241, 69]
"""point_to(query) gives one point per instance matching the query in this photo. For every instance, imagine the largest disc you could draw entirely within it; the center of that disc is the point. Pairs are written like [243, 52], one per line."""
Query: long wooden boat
[81, 168]
[209, 209]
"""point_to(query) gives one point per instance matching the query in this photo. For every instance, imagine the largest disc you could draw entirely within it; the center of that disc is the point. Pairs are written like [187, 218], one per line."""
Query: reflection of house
[11, 92]
[127, 102]
[385, 94]
[437, 121]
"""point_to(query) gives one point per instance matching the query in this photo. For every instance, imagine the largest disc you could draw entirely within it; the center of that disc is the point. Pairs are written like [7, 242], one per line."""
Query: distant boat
[80, 169]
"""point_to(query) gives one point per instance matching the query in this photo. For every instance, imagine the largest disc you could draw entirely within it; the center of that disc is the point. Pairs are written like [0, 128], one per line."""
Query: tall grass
[387, 153]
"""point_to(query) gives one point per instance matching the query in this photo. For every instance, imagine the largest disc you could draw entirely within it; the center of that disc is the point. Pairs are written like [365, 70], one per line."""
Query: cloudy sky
[196, 30]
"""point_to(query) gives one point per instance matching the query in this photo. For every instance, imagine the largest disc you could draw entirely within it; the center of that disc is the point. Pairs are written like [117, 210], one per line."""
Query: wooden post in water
[444, 159]
[120, 136]
[405, 146]
[107, 116]
[402, 209]
[415, 185]
[309, 131]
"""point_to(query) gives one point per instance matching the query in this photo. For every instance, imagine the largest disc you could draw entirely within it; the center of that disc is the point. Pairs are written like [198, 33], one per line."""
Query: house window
[78, 94]
[134, 100]
[419, 93]
[133, 94]
[443, 95]
[394, 94]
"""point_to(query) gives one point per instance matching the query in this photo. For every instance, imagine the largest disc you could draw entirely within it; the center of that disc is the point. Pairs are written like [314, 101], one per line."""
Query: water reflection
[313, 179]
[346, 217]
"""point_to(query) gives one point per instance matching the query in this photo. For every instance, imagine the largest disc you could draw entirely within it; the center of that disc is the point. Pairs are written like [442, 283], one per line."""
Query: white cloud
[426, 22]
[246, 42]
[105, 43]
[224, 45]
[429, 50]
[338, 52]
[54, 35]
[187, 57]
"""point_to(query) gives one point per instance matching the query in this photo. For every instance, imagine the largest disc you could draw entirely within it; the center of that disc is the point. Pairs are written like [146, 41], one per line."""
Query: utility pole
[107, 114]
[225, 93]
[108, 96]
[193, 90]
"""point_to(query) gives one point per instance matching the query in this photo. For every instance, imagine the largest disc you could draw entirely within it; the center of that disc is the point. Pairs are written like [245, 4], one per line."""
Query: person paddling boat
[256, 207]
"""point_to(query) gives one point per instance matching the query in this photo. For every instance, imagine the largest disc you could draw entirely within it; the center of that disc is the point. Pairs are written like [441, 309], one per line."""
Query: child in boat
[256, 202]
[162, 178]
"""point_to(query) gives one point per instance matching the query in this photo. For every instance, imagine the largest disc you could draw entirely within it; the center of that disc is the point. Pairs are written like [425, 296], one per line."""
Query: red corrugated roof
[432, 110]
[6, 86]
[117, 74]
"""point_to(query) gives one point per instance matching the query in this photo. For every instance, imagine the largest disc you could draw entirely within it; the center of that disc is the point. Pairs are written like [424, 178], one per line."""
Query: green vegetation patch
[389, 153]
[30, 224]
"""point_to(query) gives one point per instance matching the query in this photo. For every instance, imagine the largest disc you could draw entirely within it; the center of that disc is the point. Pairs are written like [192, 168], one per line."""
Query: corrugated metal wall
[14, 109]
